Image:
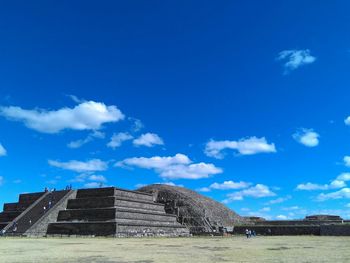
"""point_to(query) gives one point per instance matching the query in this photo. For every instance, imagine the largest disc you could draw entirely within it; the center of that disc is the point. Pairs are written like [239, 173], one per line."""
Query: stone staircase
[115, 212]
[13, 210]
[28, 211]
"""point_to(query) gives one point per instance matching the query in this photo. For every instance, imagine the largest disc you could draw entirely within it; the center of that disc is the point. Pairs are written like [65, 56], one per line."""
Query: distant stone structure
[310, 225]
[323, 218]
[198, 213]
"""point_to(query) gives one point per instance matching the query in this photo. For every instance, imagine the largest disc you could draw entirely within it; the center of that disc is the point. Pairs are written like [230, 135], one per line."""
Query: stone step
[144, 222]
[132, 203]
[107, 214]
[9, 216]
[95, 192]
[28, 199]
[101, 202]
[141, 210]
[127, 214]
[87, 215]
[91, 202]
[82, 228]
[111, 191]
[133, 195]
[112, 229]
[14, 207]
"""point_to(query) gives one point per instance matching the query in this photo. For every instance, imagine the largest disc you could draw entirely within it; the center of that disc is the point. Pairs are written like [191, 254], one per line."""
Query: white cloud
[307, 137]
[93, 185]
[204, 189]
[265, 209]
[312, 187]
[226, 185]
[244, 146]
[1, 180]
[79, 166]
[87, 115]
[97, 178]
[281, 217]
[339, 182]
[173, 167]
[347, 121]
[347, 161]
[118, 139]
[291, 208]
[92, 136]
[278, 200]
[344, 177]
[342, 193]
[3, 151]
[149, 140]
[295, 58]
[347, 205]
[257, 191]
[137, 124]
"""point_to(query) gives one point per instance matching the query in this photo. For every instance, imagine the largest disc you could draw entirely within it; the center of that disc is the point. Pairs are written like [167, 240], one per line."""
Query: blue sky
[244, 101]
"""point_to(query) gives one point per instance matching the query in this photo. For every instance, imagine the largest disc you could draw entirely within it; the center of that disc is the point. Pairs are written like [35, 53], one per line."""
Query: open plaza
[193, 249]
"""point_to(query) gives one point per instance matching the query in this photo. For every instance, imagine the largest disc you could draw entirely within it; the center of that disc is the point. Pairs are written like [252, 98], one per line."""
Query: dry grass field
[149, 250]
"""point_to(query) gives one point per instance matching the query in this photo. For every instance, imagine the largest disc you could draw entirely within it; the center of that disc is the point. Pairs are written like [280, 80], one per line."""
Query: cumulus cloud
[137, 124]
[342, 193]
[92, 136]
[338, 182]
[307, 137]
[347, 161]
[226, 185]
[294, 59]
[257, 191]
[87, 115]
[118, 139]
[173, 167]
[97, 178]
[81, 167]
[347, 121]
[148, 140]
[312, 187]
[291, 208]
[93, 185]
[281, 217]
[244, 146]
[3, 151]
[278, 200]
[265, 209]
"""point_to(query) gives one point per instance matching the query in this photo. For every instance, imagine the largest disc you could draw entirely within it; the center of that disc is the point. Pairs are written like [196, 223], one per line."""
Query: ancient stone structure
[115, 212]
[198, 213]
[93, 212]
[18, 218]
[154, 210]
[310, 225]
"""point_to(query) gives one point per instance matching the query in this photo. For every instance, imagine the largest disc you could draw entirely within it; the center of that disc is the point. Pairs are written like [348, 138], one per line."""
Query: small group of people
[69, 187]
[250, 233]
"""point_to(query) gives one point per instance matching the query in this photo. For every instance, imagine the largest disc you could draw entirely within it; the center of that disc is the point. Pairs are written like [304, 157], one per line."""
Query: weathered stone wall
[335, 230]
[280, 230]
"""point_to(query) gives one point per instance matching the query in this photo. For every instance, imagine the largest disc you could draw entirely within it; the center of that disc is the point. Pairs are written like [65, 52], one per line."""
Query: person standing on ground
[247, 233]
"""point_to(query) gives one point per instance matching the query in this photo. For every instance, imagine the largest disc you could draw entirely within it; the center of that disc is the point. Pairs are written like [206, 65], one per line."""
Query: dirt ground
[149, 250]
